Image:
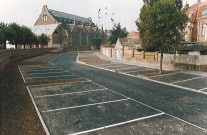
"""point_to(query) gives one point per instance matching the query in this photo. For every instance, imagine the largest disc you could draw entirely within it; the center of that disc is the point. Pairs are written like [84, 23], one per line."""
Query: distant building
[67, 30]
[196, 29]
[134, 35]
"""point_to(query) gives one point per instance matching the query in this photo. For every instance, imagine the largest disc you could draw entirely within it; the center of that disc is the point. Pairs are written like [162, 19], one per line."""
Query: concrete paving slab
[75, 99]
[134, 69]
[85, 118]
[197, 84]
[174, 77]
[45, 57]
[48, 74]
[50, 89]
[119, 67]
[162, 125]
[101, 63]
[144, 72]
[41, 71]
[29, 79]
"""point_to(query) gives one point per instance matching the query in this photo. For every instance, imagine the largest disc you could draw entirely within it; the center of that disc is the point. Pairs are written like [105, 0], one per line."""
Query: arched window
[75, 38]
[204, 27]
[45, 18]
[83, 38]
[90, 37]
[97, 36]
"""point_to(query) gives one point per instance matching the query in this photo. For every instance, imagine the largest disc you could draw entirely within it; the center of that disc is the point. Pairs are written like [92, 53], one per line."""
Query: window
[90, 37]
[75, 38]
[45, 18]
[204, 12]
[83, 38]
[204, 29]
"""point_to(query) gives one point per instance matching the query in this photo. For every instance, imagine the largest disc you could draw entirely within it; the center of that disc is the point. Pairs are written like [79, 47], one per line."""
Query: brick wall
[7, 56]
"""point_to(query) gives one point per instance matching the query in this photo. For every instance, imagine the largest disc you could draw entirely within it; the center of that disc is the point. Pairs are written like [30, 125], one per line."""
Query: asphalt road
[185, 106]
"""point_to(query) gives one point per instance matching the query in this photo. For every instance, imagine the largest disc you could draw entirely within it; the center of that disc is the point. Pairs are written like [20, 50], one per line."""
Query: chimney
[187, 5]
[44, 9]
[89, 18]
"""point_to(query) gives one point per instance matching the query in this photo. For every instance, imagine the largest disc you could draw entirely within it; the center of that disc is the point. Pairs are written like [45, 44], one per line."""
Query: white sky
[26, 12]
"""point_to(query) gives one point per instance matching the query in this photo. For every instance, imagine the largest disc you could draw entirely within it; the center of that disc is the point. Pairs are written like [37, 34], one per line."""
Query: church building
[67, 30]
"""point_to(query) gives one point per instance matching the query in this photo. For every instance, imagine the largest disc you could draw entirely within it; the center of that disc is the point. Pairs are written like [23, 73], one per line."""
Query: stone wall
[7, 56]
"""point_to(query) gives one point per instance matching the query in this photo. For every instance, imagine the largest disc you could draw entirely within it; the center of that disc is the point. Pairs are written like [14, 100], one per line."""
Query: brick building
[67, 30]
[196, 29]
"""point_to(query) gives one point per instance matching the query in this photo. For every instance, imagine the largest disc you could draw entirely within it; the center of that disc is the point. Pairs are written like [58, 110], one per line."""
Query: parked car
[55, 51]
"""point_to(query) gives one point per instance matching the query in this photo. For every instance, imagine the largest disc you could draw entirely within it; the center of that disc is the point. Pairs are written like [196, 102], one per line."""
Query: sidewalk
[101, 56]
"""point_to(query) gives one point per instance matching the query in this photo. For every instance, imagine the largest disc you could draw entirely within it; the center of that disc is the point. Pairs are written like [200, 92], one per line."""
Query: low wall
[179, 61]
[7, 56]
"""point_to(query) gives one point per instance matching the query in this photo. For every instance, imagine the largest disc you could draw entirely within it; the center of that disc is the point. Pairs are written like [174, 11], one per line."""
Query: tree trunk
[5, 45]
[24, 46]
[161, 62]
[15, 46]
[30, 46]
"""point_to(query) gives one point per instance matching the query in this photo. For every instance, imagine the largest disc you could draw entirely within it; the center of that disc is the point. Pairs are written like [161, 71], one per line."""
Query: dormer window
[204, 12]
[45, 18]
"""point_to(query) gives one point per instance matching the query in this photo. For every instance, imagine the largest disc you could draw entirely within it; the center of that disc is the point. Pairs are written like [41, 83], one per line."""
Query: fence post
[143, 55]
[132, 53]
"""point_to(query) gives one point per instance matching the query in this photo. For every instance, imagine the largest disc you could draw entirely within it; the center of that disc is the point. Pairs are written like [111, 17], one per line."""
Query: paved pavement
[194, 81]
[108, 102]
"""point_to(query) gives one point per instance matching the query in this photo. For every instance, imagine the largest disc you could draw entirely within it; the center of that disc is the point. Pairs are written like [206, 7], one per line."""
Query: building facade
[67, 30]
[196, 29]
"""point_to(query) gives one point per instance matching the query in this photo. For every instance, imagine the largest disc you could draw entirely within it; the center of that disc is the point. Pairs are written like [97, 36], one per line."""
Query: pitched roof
[123, 40]
[58, 14]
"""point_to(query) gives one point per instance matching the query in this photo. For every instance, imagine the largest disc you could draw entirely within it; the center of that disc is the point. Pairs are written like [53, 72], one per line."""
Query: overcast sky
[26, 12]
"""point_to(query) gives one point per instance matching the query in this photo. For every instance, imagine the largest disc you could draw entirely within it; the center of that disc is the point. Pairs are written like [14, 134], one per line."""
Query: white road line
[62, 94]
[40, 69]
[64, 83]
[138, 70]
[55, 58]
[32, 68]
[45, 73]
[203, 89]
[94, 66]
[51, 76]
[86, 105]
[177, 86]
[22, 75]
[155, 109]
[38, 113]
[77, 57]
[146, 78]
[190, 79]
[118, 124]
